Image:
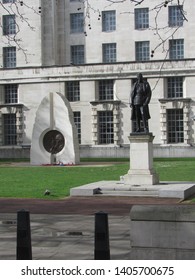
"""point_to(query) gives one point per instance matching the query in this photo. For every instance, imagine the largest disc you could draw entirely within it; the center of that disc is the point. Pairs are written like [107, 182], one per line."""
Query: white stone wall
[48, 66]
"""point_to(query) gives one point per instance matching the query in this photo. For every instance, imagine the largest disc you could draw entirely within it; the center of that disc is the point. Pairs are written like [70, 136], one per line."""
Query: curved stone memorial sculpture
[54, 138]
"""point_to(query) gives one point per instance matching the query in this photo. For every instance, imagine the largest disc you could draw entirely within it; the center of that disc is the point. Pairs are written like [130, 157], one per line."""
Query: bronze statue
[140, 98]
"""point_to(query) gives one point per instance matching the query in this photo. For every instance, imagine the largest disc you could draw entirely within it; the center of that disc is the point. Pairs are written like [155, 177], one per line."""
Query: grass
[181, 169]
[31, 182]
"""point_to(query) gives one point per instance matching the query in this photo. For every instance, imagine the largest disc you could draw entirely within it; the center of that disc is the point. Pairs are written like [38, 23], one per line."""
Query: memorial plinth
[141, 170]
[141, 179]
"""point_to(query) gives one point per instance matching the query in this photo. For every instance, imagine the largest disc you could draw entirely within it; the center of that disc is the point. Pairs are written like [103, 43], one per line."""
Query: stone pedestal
[141, 170]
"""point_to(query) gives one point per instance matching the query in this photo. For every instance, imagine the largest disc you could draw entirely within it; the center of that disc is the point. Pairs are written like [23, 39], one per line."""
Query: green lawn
[182, 169]
[31, 182]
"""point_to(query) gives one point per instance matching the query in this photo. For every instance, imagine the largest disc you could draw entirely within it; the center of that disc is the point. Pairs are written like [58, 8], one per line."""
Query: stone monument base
[141, 177]
[180, 190]
[141, 170]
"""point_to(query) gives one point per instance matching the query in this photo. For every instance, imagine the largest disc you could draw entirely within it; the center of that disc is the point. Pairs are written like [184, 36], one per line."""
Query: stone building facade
[91, 52]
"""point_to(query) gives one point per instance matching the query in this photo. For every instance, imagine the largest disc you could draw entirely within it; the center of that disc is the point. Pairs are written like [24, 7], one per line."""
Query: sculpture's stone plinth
[141, 170]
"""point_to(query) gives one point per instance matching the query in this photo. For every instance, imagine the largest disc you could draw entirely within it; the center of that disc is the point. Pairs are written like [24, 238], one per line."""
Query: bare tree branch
[15, 8]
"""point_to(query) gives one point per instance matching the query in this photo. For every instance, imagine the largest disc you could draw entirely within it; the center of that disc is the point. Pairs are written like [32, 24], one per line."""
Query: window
[106, 89]
[108, 21]
[73, 91]
[9, 57]
[11, 94]
[77, 54]
[77, 121]
[141, 18]
[106, 127]
[176, 49]
[76, 23]
[175, 87]
[9, 25]
[8, 1]
[175, 16]
[142, 50]
[175, 126]
[10, 136]
[109, 52]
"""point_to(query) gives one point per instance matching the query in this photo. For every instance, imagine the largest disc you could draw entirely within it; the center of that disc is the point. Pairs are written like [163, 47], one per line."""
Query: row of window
[109, 50]
[108, 20]
[109, 53]
[175, 17]
[141, 19]
[173, 89]
[142, 48]
[10, 128]
[176, 50]
[105, 90]
[175, 127]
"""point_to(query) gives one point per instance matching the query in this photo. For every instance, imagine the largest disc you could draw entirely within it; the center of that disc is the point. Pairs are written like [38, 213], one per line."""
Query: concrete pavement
[64, 237]
[64, 229]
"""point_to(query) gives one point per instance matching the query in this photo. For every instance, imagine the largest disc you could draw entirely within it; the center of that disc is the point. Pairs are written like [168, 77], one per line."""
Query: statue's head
[140, 77]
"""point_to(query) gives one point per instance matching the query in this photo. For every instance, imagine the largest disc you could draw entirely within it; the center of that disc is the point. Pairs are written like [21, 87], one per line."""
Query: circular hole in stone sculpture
[53, 141]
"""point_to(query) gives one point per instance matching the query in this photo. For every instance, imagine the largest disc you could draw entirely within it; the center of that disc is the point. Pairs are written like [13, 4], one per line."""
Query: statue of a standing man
[139, 100]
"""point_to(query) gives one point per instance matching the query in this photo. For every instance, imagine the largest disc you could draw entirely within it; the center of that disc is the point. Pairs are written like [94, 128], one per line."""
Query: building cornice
[165, 100]
[10, 105]
[123, 70]
[95, 103]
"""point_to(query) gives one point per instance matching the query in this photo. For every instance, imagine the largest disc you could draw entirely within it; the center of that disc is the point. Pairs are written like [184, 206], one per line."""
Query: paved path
[80, 205]
[64, 237]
